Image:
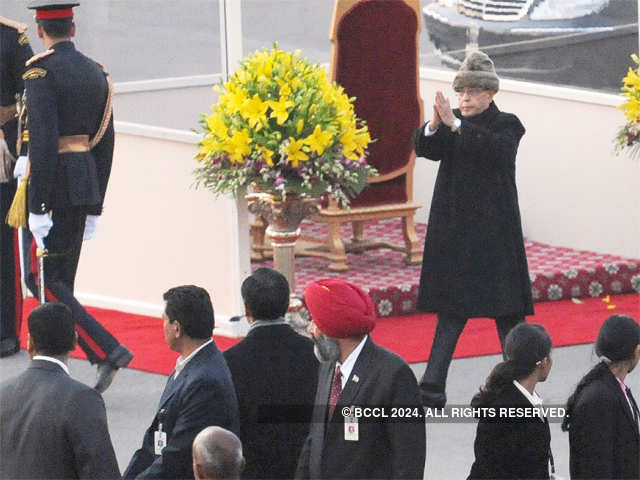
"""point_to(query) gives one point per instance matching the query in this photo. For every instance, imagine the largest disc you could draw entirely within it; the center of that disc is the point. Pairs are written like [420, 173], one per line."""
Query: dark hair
[52, 329]
[525, 346]
[191, 307]
[266, 294]
[57, 27]
[618, 338]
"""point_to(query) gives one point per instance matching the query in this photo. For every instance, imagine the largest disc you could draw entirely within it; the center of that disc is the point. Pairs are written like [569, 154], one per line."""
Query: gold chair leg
[412, 245]
[336, 249]
[358, 237]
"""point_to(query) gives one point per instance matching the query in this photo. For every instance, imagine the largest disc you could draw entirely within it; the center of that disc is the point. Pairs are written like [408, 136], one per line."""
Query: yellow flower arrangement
[629, 134]
[280, 123]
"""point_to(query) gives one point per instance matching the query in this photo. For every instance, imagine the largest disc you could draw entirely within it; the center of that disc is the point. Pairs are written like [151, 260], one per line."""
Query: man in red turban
[362, 390]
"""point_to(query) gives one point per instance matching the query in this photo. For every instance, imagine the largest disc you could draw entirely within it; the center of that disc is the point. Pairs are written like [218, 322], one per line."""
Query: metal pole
[230, 55]
[41, 253]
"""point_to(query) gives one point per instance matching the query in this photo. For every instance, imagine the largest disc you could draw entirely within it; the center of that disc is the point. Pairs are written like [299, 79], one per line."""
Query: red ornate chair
[375, 59]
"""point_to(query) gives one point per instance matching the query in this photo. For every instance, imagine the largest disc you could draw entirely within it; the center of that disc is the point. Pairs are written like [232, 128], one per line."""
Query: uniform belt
[73, 144]
[7, 113]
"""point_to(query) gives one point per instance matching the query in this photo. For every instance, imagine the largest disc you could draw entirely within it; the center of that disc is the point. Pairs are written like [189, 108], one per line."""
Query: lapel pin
[355, 378]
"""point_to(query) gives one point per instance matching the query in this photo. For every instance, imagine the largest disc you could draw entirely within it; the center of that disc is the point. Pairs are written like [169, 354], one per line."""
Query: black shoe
[433, 399]
[105, 375]
[120, 356]
[107, 369]
[9, 346]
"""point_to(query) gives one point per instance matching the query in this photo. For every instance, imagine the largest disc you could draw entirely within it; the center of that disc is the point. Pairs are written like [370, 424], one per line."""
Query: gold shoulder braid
[33, 73]
[39, 56]
[23, 39]
[104, 123]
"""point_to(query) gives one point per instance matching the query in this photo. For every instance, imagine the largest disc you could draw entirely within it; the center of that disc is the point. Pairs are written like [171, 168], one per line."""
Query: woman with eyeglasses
[602, 415]
[513, 439]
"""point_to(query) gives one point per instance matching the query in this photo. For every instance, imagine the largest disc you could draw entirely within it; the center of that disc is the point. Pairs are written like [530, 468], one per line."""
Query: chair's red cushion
[383, 193]
[377, 64]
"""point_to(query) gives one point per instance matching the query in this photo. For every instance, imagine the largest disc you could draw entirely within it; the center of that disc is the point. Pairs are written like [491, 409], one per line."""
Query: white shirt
[182, 362]
[534, 399]
[427, 132]
[54, 360]
[350, 361]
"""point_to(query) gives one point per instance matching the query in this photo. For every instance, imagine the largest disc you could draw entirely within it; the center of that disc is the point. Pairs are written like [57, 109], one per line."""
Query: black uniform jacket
[474, 261]
[66, 95]
[14, 52]
[603, 437]
[53, 427]
[275, 373]
[385, 447]
[516, 447]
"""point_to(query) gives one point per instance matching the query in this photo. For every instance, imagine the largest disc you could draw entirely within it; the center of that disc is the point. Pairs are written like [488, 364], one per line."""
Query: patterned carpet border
[557, 273]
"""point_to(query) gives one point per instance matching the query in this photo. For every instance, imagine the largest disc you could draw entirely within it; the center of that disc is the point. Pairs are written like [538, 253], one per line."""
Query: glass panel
[582, 43]
[294, 24]
[141, 39]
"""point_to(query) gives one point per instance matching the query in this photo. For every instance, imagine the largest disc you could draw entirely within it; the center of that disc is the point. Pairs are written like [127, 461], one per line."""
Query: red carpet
[141, 334]
[568, 323]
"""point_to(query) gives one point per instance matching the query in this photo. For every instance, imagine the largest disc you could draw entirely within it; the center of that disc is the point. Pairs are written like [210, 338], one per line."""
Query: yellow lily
[632, 109]
[238, 146]
[319, 140]
[632, 79]
[216, 125]
[279, 109]
[294, 152]
[254, 110]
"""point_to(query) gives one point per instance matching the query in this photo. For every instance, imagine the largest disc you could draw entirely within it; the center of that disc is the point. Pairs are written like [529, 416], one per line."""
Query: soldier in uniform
[14, 52]
[70, 152]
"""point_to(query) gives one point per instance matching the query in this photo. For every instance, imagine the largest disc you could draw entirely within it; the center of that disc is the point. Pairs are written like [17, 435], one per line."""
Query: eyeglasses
[472, 92]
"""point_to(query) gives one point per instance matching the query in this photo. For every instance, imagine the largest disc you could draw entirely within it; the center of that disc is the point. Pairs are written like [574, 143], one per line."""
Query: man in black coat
[275, 373]
[355, 373]
[198, 394]
[474, 262]
[52, 425]
[14, 52]
[70, 153]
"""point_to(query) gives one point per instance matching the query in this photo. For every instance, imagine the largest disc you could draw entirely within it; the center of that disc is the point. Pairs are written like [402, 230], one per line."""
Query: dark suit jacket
[271, 368]
[386, 448]
[511, 448]
[201, 396]
[54, 427]
[603, 437]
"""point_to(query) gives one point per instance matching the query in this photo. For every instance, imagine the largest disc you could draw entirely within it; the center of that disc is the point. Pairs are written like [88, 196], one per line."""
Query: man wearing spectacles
[474, 262]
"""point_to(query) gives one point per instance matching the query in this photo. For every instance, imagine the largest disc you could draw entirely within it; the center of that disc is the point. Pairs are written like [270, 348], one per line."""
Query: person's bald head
[217, 455]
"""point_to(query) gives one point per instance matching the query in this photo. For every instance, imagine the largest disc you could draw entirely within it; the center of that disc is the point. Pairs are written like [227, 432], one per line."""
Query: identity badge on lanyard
[351, 432]
[160, 437]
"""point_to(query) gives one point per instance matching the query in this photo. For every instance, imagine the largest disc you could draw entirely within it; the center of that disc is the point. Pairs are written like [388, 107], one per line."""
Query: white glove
[20, 169]
[90, 227]
[40, 226]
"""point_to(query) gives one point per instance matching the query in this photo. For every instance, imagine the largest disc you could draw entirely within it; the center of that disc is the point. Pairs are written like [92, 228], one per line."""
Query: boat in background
[580, 43]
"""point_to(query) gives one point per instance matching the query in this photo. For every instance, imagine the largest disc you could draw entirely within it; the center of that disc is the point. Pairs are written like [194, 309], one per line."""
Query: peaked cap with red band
[340, 309]
[52, 9]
